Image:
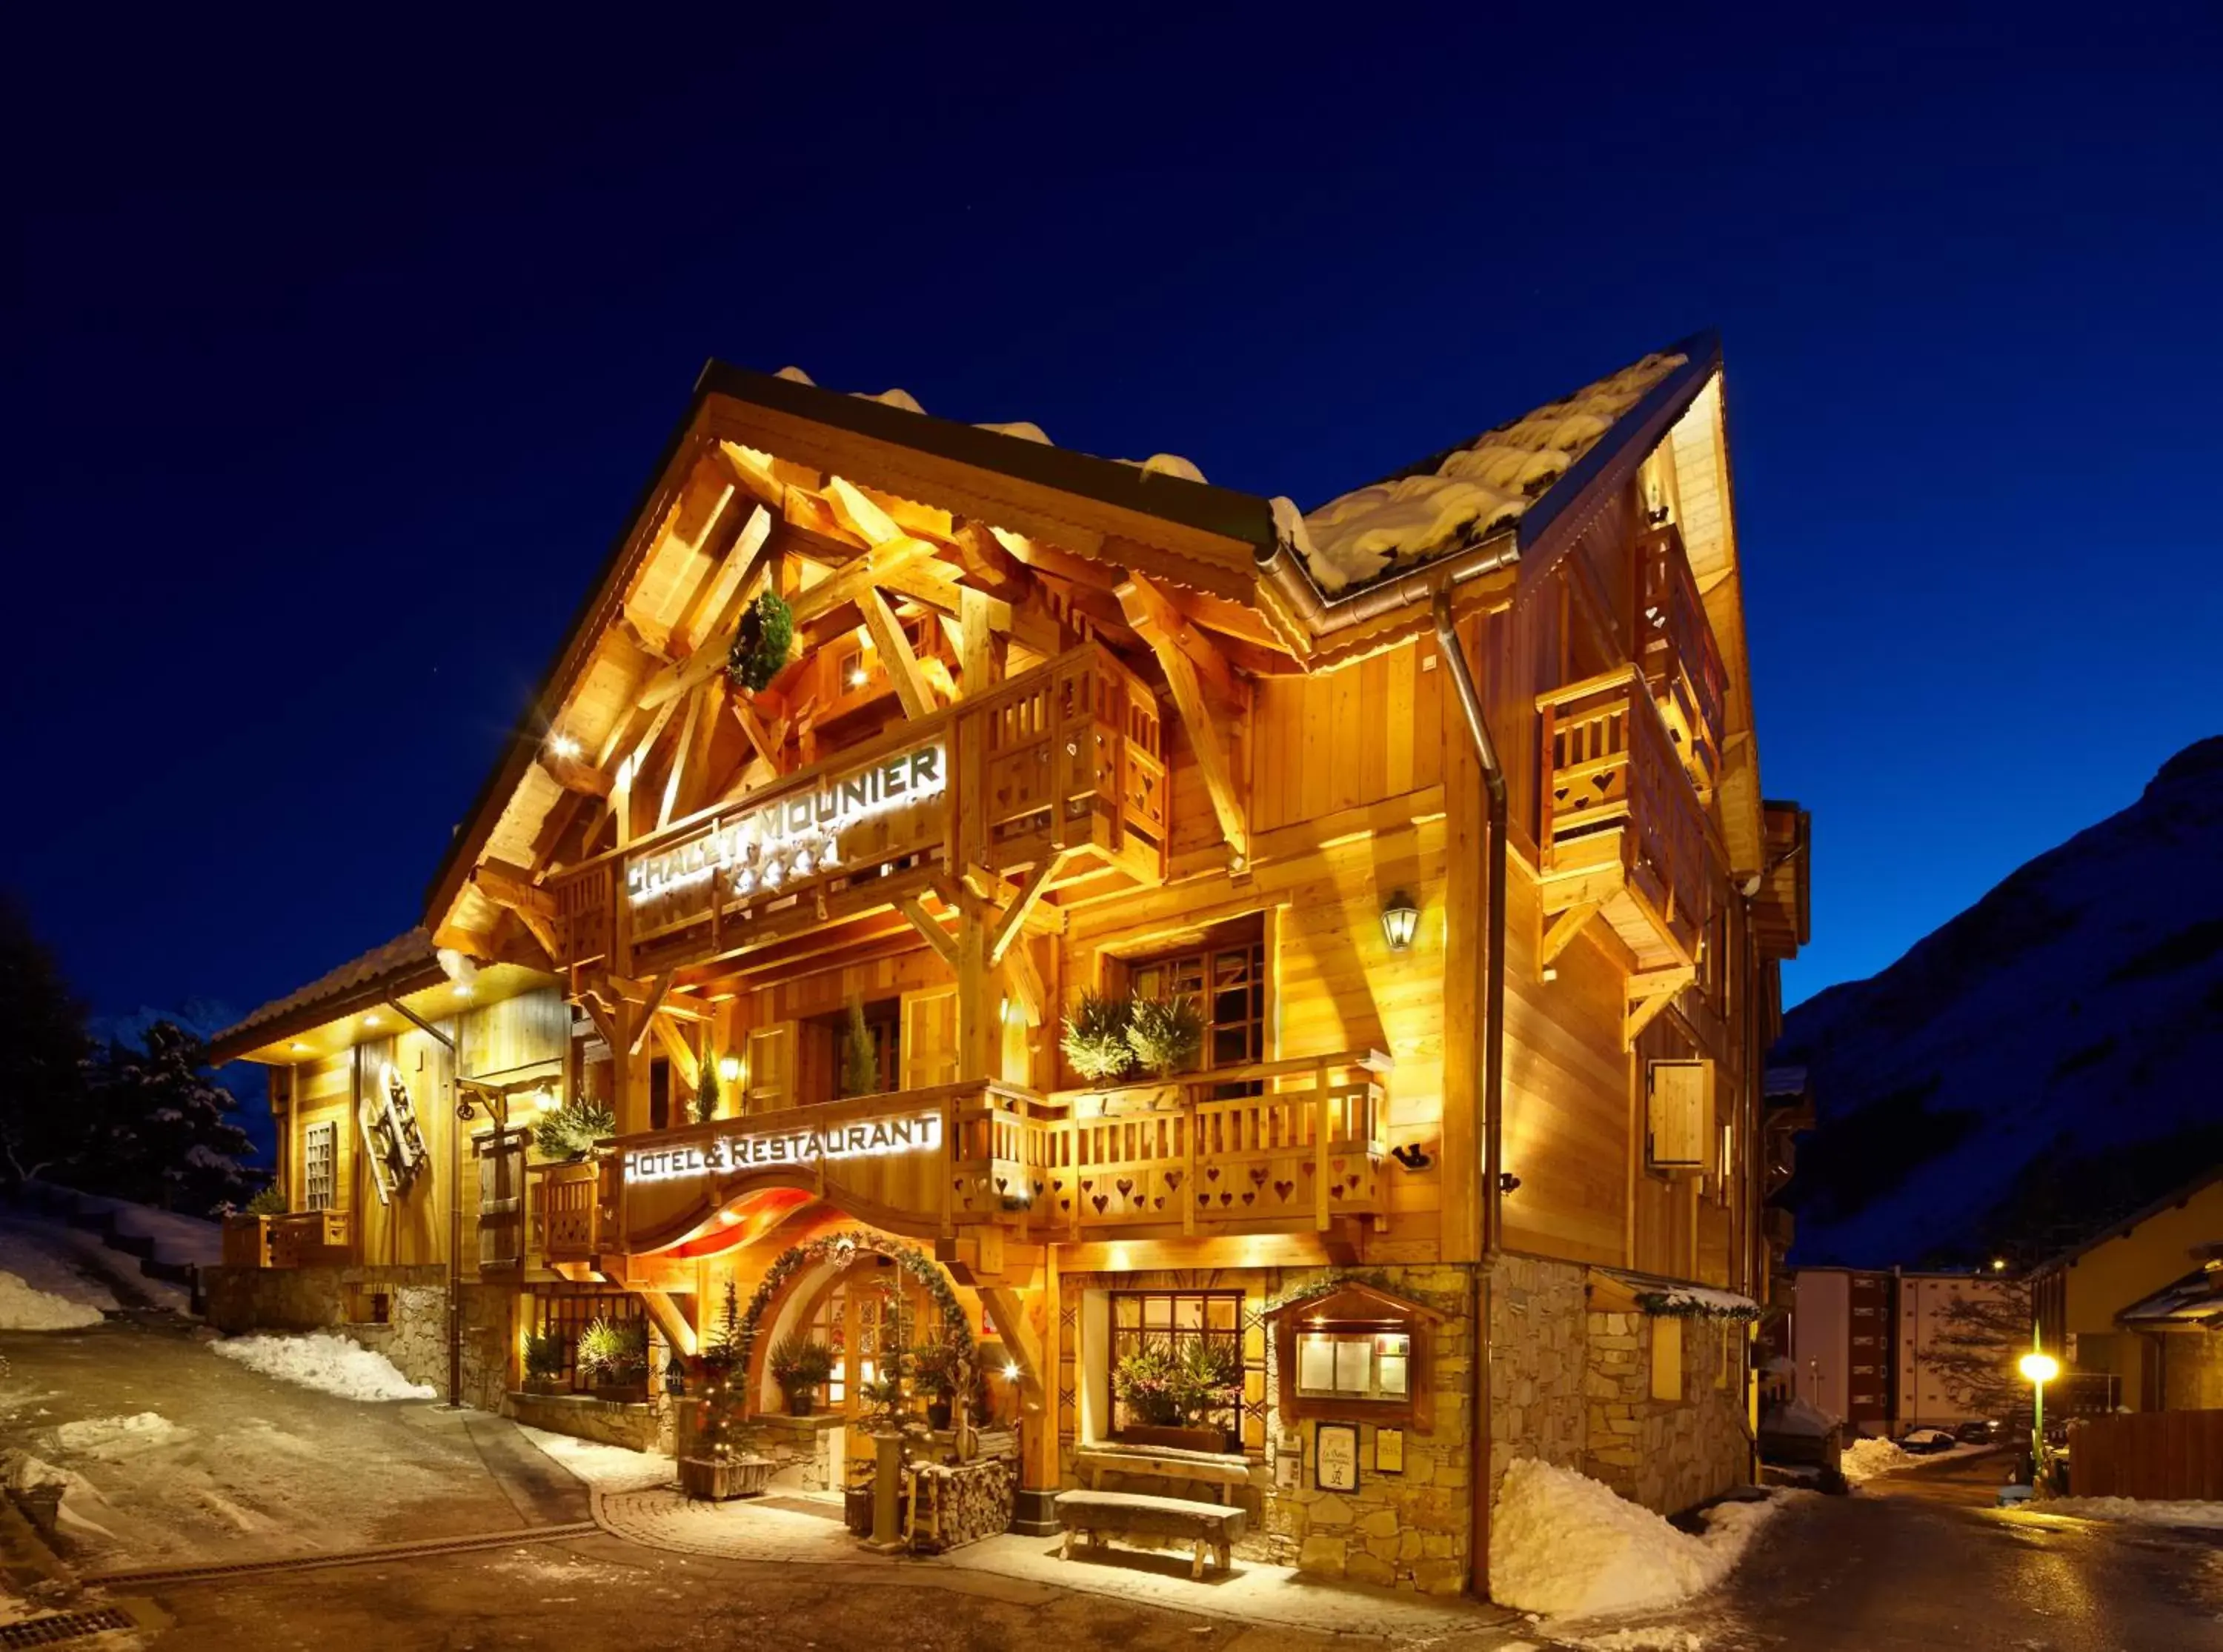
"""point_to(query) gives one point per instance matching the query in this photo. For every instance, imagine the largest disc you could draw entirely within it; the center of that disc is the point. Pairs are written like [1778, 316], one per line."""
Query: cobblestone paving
[659, 1518]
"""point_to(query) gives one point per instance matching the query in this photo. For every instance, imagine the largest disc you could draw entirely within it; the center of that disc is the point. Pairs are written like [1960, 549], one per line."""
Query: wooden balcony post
[1319, 1148]
[1188, 1160]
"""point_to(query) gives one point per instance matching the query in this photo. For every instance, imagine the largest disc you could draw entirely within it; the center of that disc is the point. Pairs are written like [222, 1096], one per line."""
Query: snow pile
[1643, 1640]
[25, 1307]
[30, 1479]
[1865, 1459]
[607, 1468]
[2137, 1511]
[1799, 1416]
[1564, 1545]
[110, 1437]
[330, 1364]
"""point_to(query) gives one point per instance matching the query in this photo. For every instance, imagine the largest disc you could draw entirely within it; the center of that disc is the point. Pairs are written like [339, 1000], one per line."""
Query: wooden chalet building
[1470, 1105]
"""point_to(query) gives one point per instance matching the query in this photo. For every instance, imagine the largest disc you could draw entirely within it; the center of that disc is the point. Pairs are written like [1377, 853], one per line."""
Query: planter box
[623, 1393]
[545, 1385]
[711, 1481]
[1211, 1439]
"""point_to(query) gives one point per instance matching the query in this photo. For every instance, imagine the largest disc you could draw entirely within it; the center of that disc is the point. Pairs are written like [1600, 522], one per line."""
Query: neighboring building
[2134, 1311]
[1787, 1108]
[1857, 1340]
[1054, 724]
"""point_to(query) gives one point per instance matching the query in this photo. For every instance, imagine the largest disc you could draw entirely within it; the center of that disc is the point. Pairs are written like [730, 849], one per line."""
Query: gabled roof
[2124, 1226]
[403, 964]
[1544, 475]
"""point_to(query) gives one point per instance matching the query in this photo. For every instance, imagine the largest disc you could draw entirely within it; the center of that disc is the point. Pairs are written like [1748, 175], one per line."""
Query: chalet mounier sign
[727, 1155]
[793, 837]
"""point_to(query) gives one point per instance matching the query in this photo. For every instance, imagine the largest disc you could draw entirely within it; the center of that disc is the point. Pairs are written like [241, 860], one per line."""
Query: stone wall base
[636, 1427]
[414, 1333]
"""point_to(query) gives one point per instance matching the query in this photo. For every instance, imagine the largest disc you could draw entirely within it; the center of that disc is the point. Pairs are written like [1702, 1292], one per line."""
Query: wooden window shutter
[501, 1198]
[771, 1067]
[1679, 1116]
[929, 1038]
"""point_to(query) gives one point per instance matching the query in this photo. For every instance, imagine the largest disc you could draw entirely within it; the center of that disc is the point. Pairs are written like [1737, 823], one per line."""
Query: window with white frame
[320, 1166]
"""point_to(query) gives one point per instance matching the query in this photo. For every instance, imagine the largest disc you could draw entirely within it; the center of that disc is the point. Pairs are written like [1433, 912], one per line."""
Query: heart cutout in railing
[1125, 1184]
[1285, 1188]
[1173, 1181]
[1257, 1175]
[1101, 1200]
[1247, 1197]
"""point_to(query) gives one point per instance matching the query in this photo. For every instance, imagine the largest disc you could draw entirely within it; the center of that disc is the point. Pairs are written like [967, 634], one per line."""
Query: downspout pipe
[1490, 1034]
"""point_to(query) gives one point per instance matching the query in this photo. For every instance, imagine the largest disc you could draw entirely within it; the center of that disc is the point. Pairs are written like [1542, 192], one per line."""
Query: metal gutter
[1490, 1034]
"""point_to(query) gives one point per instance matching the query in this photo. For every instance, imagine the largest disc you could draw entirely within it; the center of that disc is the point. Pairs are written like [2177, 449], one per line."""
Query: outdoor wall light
[564, 746]
[729, 1069]
[1401, 921]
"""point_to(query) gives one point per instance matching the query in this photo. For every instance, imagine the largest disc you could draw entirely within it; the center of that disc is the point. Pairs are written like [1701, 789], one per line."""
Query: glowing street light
[2039, 1368]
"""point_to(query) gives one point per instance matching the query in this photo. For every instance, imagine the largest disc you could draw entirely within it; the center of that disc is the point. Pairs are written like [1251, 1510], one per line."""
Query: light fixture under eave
[729, 1069]
[1011, 1371]
[1401, 921]
[564, 746]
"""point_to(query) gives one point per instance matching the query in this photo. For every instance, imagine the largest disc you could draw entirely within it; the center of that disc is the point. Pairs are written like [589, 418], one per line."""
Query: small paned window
[320, 1166]
[1179, 1322]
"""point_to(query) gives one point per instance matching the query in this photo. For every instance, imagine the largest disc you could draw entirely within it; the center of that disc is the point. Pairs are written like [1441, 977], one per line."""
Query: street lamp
[2039, 1368]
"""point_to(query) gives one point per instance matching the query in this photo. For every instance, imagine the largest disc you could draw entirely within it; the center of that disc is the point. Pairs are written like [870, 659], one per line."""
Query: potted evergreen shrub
[613, 1356]
[716, 1464]
[1095, 1038]
[936, 1368]
[544, 1364]
[801, 1365]
[1165, 1034]
[1169, 1395]
[572, 1129]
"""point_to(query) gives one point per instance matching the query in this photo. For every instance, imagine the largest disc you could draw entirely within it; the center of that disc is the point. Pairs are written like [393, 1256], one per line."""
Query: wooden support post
[1320, 1150]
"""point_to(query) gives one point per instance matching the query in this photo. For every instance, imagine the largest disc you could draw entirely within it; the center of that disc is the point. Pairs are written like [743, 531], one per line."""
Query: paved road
[1919, 1560]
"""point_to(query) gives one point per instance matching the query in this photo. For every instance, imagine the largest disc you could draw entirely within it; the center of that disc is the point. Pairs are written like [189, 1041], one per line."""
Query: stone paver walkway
[1251, 1591]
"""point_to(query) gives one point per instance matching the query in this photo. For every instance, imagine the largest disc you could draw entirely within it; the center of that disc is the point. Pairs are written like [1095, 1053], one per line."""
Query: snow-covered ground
[1563, 1545]
[330, 1364]
[48, 1254]
[2141, 1512]
[607, 1468]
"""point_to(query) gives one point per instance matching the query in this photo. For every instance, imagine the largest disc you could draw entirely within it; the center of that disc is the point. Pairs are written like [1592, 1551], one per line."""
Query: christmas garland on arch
[842, 1249]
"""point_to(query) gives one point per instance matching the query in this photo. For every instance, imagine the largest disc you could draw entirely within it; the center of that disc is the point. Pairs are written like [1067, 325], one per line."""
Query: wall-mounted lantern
[1401, 921]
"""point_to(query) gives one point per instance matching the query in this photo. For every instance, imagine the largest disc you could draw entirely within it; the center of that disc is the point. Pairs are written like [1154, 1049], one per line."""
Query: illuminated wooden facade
[1052, 723]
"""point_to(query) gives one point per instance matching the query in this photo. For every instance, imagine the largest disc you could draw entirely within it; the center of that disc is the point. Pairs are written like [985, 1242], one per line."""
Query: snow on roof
[406, 955]
[1476, 491]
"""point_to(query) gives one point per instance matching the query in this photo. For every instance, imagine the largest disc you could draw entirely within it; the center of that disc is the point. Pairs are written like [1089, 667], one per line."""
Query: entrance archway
[807, 1281]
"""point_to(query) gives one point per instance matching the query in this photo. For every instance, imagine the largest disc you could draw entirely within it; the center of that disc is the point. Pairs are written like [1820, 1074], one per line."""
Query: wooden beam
[910, 685]
[640, 1018]
[858, 576]
[929, 926]
[1007, 925]
[706, 618]
[768, 742]
[682, 1052]
[575, 774]
[924, 582]
[1037, 1386]
[669, 1320]
[1562, 929]
[1026, 985]
[981, 650]
[512, 888]
[859, 514]
[1159, 626]
[680, 755]
[1650, 993]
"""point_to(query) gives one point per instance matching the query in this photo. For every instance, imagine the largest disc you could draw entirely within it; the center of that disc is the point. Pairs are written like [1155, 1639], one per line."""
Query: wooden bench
[1100, 1515]
[1200, 1468]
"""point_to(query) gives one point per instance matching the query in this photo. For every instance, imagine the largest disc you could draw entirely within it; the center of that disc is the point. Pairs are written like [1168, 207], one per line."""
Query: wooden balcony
[302, 1239]
[1305, 1146]
[1308, 1145]
[1623, 835]
[1681, 661]
[1065, 763]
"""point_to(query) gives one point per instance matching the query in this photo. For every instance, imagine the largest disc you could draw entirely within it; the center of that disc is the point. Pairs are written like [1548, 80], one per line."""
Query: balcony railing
[570, 1219]
[1306, 1140]
[302, 1239]
[1068, 758]
[1620, 817]
[1265, 1146]
[1682, 661]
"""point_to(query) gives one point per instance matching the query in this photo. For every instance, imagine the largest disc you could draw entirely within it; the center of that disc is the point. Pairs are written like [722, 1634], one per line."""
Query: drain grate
[64, 1626]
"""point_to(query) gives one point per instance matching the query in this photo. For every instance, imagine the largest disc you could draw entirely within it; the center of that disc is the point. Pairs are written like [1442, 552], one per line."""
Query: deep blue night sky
[332, 366]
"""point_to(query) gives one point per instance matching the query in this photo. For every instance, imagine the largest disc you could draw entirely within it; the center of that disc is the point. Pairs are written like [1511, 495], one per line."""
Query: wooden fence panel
[2162, 1456]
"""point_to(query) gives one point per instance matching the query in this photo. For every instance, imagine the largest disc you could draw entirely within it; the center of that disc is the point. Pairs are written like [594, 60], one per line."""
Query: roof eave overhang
[243, 1041]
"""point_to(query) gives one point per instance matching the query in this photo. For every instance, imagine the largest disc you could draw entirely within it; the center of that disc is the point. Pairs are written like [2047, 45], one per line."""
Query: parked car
[1921, 1442]
[1983, 1431]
